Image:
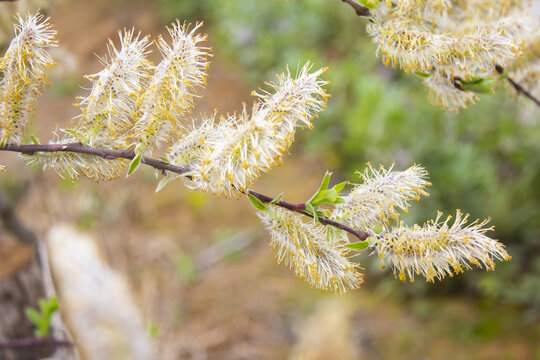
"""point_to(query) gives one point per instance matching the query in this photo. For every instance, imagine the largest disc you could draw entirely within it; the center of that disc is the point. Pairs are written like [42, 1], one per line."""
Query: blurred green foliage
[41, 318]
[484, 161]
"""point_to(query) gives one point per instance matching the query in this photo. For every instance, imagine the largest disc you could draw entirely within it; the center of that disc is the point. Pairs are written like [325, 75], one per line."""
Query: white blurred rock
[94, 300]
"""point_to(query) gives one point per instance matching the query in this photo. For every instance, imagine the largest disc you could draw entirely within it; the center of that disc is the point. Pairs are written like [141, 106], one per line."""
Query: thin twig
[520, 89]
[300, 208]
[34, 342]
[360, 9]
[109, 154]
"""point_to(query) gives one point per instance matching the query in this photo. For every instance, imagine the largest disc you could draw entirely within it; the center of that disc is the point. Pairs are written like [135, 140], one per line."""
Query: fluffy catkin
[23, 74]
[438, 249]
[306, 249]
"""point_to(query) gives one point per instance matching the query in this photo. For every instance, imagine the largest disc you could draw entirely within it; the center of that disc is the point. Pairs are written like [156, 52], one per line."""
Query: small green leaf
[257, 203]
[153, 330]
[327, 196]
[72, 132]
[276, 199]
[377, 229]
[339, 200]
[323, 186]
[358, 246]
[163, 182]
[422, 74]
[32, 315]
[310, 209]
[479, 85]
[340, 186]
[370, 4]
[186, 267]
[34, 140]
[135, 163]
[43, 305]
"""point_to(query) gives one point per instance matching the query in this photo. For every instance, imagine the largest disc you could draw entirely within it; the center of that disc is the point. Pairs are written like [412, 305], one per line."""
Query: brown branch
[34, 342]
[520, 89]
[300, 208]
[108, 154]
[360, 9]
[161, 165]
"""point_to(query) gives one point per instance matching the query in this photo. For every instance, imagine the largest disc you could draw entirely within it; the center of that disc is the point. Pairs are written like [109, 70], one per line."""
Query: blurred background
[200, 268]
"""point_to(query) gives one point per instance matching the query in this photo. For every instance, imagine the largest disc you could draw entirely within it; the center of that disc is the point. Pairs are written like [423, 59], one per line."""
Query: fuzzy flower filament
[253, 145]
[305, 248]
[23, 74]
[108, 109]
[172, 88]
[106, 113]
[438, 249]
[382, 193]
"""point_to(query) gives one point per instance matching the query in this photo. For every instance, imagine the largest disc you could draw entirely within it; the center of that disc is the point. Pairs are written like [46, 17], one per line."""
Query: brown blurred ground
[243, 306]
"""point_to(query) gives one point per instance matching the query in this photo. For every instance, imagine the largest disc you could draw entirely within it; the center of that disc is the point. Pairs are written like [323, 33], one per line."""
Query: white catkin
[438, 249]
[306, 249]
[382, 193]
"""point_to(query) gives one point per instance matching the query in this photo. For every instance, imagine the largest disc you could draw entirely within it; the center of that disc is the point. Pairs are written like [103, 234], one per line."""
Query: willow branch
[300, 208]
[520, 89]
[360, 9]
[34, 342]
[129, 154]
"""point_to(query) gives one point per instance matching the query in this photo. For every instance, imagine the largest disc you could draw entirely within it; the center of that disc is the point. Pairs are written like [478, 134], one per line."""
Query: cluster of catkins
[320, 254]
[456, 45]
[135, 104]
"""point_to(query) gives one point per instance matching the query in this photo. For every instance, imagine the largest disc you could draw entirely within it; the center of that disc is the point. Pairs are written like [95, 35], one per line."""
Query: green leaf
[32, 315]
[153, 330]
[72, 132]
[186, 267]
[34, 140]
[422, 74]
[257, 203]
[340, 186]
[327, 196]
[135, 163]
[163, 182]
[53, 305]
[358, 246]
[479, 85]
[377, 229]
[276, 199]
[323, 186]
[310, 209]
[370, 4]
